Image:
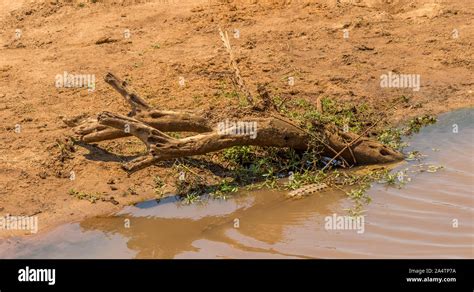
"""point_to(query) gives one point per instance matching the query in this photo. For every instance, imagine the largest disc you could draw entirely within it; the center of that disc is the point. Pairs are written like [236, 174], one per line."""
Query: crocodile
[307, 190]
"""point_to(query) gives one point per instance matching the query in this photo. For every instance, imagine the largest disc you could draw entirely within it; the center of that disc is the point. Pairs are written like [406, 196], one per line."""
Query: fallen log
[273, 130]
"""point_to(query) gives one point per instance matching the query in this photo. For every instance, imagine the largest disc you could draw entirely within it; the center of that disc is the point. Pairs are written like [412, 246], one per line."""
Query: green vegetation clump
[158, 185]
[91, 197]
[347, 116]
[223, 190]
[300, 179]
[392, 137]
[415, 124]
[191, 198]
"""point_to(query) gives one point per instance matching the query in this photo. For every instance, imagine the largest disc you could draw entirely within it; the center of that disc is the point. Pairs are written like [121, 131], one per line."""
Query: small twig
[283, 101]
[233, 64]
[181, 164]
[330, 148]
[351, 143]
[353, 157]
[319, 105]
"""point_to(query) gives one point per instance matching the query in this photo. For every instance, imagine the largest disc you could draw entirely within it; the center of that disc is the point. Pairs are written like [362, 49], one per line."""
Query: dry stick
[285, 99]
[353, 157]
[355, 140]
[352, 142]
[319, 105]
[238, 78]
[330, 148]
[135, 101]
[188, 169]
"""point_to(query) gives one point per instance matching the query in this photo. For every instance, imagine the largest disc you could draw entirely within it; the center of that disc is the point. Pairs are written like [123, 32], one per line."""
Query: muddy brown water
[429, 217]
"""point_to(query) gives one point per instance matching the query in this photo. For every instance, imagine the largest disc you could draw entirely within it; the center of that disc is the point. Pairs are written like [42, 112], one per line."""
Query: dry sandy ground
[173, 39]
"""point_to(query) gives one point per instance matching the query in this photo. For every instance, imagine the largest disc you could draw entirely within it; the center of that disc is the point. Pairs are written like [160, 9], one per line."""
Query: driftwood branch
[150, 126]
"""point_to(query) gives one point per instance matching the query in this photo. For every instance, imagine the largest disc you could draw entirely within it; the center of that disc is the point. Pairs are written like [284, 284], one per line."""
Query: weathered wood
[272, 130]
